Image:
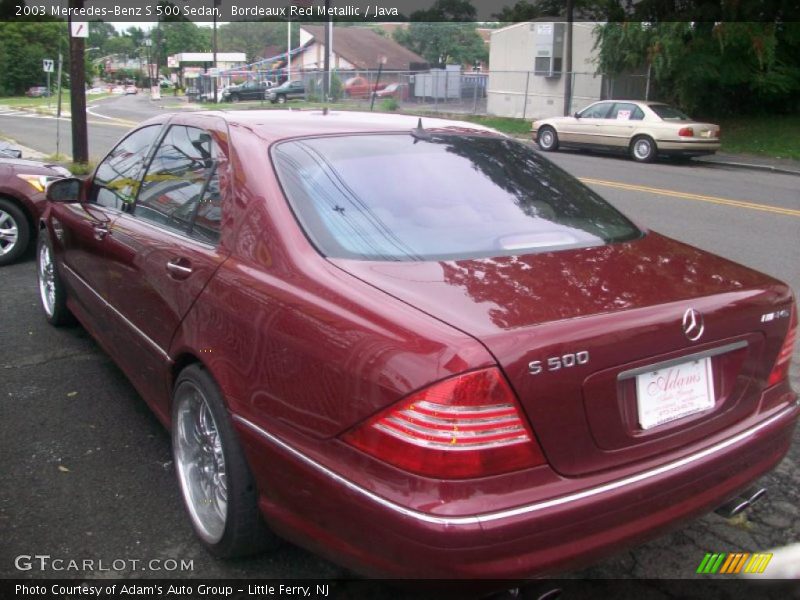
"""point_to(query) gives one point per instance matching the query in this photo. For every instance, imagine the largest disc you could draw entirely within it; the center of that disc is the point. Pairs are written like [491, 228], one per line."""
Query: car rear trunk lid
[596, 319]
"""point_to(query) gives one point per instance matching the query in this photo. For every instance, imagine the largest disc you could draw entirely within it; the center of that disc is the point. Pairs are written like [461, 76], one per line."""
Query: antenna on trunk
[419, 133]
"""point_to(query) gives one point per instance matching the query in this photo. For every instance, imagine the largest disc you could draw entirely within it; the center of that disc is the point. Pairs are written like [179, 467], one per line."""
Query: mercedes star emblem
[693, 325]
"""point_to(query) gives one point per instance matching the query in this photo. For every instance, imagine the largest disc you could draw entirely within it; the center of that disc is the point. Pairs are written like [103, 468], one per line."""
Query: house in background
[527, 78]
[353, 49]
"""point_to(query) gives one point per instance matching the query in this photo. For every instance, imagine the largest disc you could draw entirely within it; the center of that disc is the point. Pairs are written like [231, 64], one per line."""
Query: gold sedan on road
[642, 129]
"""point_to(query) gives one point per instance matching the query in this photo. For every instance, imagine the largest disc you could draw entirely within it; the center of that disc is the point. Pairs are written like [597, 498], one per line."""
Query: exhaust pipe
[741, 502]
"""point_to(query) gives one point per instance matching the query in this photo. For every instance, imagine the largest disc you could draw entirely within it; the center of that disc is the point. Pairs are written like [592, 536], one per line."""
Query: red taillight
[718, 132]
[465, 426]
[686, 132]
[781, 368]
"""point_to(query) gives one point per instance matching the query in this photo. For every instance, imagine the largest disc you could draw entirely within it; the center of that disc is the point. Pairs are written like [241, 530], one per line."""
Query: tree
[251, 37]
[443, 42]
[100, 33]
[709, 68]
[23, 46]
[446, 10]
[590, 10]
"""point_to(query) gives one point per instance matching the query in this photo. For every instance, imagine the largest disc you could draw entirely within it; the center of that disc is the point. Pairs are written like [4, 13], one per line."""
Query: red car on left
[22, 200]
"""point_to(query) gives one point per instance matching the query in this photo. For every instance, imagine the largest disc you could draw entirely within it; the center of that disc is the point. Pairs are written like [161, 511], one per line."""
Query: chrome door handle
[100, 231]
[177, 270]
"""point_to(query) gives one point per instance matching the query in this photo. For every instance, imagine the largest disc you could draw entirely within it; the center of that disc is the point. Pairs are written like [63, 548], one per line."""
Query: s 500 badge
[554, 363]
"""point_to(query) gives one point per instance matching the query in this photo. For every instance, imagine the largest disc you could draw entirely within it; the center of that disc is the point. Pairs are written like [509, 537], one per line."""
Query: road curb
[27, 153]
[751, 166]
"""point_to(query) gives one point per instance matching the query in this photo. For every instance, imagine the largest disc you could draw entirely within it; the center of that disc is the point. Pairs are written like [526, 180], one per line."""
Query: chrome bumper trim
[683, 359]
[528, 508]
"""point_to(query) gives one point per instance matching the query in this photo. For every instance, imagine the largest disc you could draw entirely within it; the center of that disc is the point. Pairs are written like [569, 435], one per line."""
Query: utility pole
[77, 93]
[58, 109]
[289, 49]
[326, 82]
[568, 61]
[214, 79]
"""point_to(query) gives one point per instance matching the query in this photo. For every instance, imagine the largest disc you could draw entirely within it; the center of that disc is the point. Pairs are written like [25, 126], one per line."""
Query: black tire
[52, 294]
[244, 531]
[643, 149]
[15, 223]
[281, 99]
[234, 98]
[547, 139]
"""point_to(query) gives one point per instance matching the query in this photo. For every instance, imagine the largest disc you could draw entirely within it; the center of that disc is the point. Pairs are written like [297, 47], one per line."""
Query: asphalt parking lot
[87, 467]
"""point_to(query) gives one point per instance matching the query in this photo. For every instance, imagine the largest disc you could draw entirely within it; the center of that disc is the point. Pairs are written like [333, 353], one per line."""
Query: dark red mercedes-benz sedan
[416, 347]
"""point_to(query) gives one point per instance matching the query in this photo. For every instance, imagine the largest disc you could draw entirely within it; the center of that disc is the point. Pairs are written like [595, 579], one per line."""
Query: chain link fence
[453, 90]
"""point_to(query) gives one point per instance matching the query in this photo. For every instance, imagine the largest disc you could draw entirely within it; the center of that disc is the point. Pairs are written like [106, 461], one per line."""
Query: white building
[353, 48]
[526, 77]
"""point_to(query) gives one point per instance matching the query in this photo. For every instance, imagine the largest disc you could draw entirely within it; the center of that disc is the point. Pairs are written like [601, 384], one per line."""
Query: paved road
[87, 471]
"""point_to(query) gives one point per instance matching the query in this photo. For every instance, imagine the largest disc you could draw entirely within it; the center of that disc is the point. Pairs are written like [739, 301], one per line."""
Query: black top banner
[366, 11]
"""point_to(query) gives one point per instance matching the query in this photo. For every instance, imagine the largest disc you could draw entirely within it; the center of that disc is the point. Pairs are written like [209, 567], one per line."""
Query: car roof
[274, 125]
[639, 102]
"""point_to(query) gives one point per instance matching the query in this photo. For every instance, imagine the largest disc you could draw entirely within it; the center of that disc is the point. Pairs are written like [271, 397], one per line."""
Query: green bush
[314, 89]
[337, 89]
[390, 105]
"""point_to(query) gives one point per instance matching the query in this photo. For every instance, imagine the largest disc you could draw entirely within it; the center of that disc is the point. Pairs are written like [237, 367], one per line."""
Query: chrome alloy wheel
[200, 463]
[9, 233]
[642, 149]
[547, 139]
[47, 279]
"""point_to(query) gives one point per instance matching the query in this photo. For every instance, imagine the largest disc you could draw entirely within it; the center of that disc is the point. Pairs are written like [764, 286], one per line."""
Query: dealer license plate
[674, 392]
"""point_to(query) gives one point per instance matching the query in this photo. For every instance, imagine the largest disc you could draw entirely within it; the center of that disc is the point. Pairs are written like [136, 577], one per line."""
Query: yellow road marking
[115, 123]
[687, 196]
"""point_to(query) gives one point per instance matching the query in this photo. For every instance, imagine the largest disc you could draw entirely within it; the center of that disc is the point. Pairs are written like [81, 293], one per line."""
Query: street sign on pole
[47, 67]
[58, 109]
[79, 29]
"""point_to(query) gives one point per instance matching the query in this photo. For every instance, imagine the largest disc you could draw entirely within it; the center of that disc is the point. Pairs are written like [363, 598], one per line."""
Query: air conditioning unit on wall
[549, 44]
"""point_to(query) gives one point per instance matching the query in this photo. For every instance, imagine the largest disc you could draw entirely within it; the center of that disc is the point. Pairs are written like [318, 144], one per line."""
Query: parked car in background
[22, 200]
[250, 90]
[9, 151]
[398, 91]
[644, 130]
[209, 96]
[118, 90]
[131, 89]
[36, 91]
[360, 87]
[416, 346]
[288, 90]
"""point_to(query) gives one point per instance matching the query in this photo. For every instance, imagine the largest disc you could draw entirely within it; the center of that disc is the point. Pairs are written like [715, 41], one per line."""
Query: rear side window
[669, 113]
[624, 111]
[399, 197]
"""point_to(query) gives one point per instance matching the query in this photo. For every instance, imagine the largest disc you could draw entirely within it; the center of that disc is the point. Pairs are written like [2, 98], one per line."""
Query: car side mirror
[65, 190]
[577, 115]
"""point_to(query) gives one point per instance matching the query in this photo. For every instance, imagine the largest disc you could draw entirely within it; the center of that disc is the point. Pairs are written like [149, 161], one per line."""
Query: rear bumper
[688, 147]
[371, 534]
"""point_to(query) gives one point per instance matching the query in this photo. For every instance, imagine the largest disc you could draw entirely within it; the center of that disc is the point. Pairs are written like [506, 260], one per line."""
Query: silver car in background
[643, 130]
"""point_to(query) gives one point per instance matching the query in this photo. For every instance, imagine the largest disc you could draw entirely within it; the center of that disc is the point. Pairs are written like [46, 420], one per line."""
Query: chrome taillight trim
[464, 443]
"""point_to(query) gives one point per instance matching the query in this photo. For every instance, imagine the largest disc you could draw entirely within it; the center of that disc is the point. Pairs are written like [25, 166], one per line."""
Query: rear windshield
[669, 112]
[398, 197]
